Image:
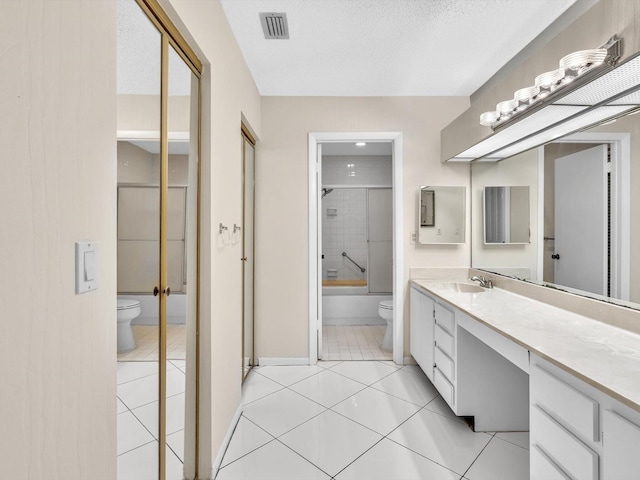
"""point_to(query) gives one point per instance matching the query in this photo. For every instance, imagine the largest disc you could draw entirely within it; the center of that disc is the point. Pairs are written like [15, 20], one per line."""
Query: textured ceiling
[386, 47]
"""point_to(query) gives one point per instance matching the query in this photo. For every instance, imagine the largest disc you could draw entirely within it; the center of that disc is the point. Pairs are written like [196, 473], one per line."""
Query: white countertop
[602, 355]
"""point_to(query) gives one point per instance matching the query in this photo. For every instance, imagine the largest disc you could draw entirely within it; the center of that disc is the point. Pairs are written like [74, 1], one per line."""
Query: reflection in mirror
[589, 214]
[514, 258]
[506, 214]
[441, 215]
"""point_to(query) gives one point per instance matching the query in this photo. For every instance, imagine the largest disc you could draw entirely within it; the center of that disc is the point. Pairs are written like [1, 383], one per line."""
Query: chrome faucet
[483, 281]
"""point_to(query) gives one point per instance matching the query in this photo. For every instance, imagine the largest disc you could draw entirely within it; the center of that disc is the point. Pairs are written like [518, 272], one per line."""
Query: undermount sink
[459, 287]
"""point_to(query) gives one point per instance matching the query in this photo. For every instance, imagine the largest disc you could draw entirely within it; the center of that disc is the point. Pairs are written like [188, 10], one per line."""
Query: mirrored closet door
[158, 229]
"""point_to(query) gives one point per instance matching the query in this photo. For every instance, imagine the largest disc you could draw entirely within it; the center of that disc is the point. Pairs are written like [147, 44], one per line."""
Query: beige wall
[57, 130]
[228, 94]
[282, 205]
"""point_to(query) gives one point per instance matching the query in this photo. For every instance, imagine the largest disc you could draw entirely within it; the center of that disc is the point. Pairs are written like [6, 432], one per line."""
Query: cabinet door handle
[156, 291]
[167, 291]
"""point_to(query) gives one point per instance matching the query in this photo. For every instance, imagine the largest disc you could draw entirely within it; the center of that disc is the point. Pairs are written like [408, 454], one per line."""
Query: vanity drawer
[445, 318]
[569, 453]
[444, 364]
[444, 387]
[572, 408]
[445, 341]
[543, 468]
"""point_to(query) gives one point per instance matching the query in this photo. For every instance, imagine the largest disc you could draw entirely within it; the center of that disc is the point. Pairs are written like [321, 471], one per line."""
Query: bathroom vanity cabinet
[578, 431]
[474, 379]
[483, 355]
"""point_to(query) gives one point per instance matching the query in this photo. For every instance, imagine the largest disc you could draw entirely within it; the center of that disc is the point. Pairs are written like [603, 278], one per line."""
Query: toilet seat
[386, 304]
[126, 304]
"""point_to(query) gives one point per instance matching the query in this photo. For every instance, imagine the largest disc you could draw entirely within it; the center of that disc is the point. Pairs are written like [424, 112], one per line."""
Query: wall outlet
[439, 232]
[413, 238]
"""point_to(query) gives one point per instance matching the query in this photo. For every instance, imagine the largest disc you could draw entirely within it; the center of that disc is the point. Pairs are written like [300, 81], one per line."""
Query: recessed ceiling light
[360, 144]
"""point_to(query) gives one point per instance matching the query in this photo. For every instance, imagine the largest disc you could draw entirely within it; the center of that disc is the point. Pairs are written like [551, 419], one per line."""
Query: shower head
[326, 191]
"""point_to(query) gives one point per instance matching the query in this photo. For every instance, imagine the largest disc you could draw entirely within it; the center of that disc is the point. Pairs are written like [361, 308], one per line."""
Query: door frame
[314, 164]
[620, 205]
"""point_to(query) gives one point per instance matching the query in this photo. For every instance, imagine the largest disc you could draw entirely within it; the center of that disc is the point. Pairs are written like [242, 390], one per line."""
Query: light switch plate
[86, 267]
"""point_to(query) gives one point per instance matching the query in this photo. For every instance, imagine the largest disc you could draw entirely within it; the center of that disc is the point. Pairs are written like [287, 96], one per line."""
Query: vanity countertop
[602, 355]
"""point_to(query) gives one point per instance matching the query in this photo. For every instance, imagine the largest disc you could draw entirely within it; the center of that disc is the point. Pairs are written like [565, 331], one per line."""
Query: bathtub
[149, 305]
[350, 306]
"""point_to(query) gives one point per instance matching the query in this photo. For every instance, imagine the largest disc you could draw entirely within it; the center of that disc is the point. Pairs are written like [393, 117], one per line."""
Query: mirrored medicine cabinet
[441, 214]
[506, 214]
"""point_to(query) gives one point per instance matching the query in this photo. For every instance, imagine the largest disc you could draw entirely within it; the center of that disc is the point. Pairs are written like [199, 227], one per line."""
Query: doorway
[318, 273]
[585, 243]
[356, 232]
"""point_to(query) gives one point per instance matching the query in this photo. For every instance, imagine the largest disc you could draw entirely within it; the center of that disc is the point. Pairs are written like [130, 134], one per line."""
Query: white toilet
[385, 310]
[128, 309]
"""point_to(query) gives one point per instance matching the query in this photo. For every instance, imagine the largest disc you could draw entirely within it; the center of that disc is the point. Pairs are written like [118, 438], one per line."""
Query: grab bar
[344, 254]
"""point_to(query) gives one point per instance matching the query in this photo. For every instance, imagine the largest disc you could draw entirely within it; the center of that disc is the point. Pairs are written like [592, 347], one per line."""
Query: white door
[380, 237]
[319, 239]
[580, 256]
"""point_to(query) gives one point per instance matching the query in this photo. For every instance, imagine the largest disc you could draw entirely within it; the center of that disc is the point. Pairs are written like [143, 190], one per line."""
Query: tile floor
[354, 342]
[137, 401]
[360, 420]
[147, 343]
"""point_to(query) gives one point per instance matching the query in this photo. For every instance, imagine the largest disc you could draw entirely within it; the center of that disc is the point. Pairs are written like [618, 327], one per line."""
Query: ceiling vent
[274, 25]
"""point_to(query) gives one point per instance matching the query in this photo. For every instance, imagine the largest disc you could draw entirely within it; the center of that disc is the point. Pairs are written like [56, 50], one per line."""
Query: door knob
[156, 291]
[556, 256]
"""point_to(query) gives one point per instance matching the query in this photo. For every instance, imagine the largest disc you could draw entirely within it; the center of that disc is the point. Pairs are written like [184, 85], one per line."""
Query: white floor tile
[364, 372]
[517, 438]
[330, 441]
[257, 386]
[175, 441]
[327, 388]
[500, 461]
[282, 411]
[246, 438]
[439, 405]
[120, 407]
[128, 371]
[376, 410]
[388, 460]
[290, 374]
[142, 464]
[328, 363]
[145, 390]
[131, 433]
[445, 441]
[407, 386]
[148, 415]
[413, 369]
[273, 461]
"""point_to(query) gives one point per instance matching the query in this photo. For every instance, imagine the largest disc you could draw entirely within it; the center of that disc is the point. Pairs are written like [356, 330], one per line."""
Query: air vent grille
[274, 25]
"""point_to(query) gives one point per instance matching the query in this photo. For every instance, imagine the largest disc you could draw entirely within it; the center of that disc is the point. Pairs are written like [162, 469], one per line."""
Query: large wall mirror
[441, 214]
[584, 213]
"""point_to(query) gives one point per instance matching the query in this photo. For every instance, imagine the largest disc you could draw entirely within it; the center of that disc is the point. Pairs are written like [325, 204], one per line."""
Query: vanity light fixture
[571, 68]
[589, 87]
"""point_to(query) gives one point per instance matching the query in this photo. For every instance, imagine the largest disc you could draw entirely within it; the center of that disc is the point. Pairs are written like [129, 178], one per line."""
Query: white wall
[57, 131]
[282, 207]
[229, 93]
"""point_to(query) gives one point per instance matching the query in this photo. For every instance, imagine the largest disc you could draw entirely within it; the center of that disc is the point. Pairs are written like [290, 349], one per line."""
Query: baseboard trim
[280, 361]
[225, 442]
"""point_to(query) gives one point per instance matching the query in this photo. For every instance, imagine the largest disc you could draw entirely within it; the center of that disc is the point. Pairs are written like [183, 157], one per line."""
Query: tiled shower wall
[346, 231]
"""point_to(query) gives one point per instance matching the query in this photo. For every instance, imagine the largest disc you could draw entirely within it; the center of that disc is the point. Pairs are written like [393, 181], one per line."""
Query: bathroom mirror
[584, 184]
[441, 214]
[506, 214]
